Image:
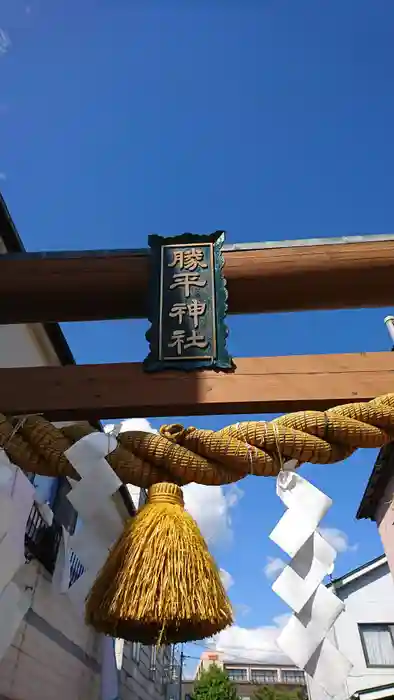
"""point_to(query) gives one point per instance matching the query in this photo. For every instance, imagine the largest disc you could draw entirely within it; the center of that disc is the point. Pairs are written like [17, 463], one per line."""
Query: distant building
[378, 501]
[248, 674]
[148, 672]
[365, 632]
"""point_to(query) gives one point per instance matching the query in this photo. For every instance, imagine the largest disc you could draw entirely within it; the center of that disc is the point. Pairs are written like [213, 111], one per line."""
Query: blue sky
[270, 119]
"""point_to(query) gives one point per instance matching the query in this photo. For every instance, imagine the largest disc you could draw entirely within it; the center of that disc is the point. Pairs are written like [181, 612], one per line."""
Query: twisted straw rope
[183, 455]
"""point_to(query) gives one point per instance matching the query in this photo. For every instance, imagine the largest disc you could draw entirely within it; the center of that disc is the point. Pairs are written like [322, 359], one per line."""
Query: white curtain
[379, 646]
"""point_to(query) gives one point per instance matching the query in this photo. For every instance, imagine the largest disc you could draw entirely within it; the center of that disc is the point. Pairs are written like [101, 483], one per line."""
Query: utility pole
[181, 673]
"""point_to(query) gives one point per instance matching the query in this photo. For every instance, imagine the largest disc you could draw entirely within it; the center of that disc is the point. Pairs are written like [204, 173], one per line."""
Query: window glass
[264, 675]
[378, 644]
[237, 674]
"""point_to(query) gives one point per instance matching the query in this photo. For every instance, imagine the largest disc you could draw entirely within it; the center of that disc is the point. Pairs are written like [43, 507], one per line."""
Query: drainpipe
[109, 670]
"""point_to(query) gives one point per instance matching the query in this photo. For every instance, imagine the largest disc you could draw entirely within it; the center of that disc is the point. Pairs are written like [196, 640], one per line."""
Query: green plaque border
[223, 360]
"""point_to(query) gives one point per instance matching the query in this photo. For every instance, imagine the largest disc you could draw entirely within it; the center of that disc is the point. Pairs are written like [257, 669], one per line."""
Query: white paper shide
[315, 608]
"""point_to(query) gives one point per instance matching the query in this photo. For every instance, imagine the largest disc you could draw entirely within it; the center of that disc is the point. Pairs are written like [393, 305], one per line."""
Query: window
[64, 512]
[237, 674]
[378, 644]
[143, 497]
[45, 487]
[293, 676]
[264, 675]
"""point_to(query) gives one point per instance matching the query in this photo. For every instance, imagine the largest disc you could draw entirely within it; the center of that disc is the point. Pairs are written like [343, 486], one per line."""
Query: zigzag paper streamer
[315, 608]
[91, 497]
[16, 500]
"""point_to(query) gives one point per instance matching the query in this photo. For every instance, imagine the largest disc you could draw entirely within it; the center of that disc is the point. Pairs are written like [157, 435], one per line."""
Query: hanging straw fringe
[160, 583]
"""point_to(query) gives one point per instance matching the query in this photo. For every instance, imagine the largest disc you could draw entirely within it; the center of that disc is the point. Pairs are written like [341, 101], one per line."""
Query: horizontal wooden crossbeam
[258, 385]
[292, 276]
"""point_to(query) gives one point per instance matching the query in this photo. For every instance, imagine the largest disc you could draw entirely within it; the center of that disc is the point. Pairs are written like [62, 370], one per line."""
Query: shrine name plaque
[188, 303]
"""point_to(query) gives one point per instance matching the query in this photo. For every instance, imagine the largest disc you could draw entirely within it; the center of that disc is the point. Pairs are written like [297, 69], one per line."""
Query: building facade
[364, 633]
[149, 672]
[249, 675]
[378, 501]
[53, 653]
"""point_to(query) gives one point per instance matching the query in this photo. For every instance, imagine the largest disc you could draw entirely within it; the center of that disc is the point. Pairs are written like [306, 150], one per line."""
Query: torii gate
[349, 272]
[159, 583]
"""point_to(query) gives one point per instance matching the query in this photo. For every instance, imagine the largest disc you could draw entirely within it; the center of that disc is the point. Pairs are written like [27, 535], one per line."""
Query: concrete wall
[368, 599]
[385, 522]
[54, 654]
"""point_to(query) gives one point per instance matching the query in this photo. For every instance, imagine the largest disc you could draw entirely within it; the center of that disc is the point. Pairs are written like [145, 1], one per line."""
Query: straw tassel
[159, 584]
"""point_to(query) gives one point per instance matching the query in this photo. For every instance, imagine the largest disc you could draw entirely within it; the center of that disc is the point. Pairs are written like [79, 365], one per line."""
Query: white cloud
[210, 507]
[254, 644]
[282, 620]
[5, 42]
[131, 424]
[3, 176]
[137, 424]
[273, 567]
[242, 609]
[338, 539]
[227, 579]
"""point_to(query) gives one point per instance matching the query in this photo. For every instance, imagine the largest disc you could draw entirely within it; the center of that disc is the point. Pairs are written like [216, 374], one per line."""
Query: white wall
[28, 346]
[368, 599]
[25, 346]
[54, 654]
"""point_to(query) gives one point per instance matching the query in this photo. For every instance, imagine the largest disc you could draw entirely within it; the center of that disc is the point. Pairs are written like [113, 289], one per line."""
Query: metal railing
[76, 568]
[293, 679]
[42, 542]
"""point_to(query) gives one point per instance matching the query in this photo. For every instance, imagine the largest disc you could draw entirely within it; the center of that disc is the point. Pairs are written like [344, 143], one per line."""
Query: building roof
[270, 657]
[377, 483]
[358, 573]
[379, 691]
[13, 243]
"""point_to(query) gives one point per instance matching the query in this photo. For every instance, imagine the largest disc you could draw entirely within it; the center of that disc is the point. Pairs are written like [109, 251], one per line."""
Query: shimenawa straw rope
[160, 582]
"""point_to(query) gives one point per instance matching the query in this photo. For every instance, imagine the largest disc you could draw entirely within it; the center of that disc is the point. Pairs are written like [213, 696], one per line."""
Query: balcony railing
[76, 568]
[293, 679]
[42, 542]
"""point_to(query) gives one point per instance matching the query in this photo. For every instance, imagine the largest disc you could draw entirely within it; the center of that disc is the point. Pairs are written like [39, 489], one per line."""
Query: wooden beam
[110, 285]
[258, 385]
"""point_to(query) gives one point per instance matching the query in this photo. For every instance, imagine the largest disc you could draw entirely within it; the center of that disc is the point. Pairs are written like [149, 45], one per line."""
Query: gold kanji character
[187, 280]
[178, 339]
[196, 341]
[188, 259]
[178, 311]
[196, 309]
